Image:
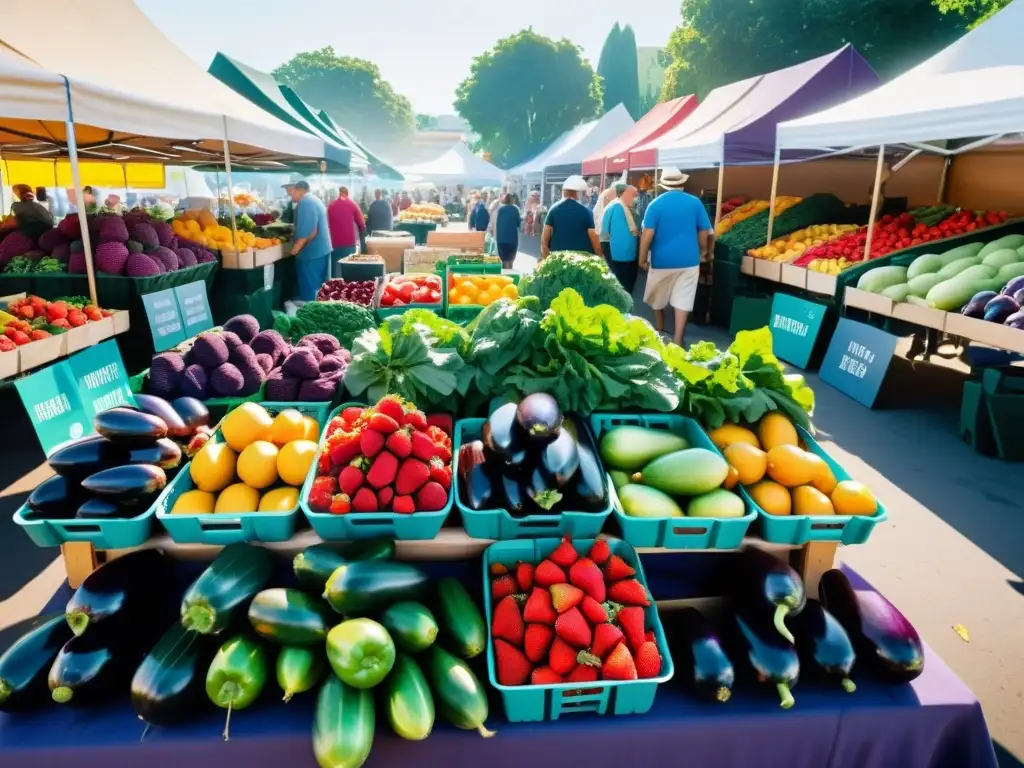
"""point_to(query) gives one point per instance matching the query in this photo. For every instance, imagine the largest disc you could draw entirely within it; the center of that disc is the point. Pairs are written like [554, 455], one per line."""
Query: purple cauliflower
[317, 390]
[164, 374]
[167, 257]
[76, 263]
[206, 257]
[15, 244]
[164, 233]
[51, 238]
[281, 388]
[111, 258]
[246, 326]
[145, 234]
[112, 230]
[302, 363]
[241, 356]
[226, 380]
[332, 363]
[321, 341]
[61, 252]
[210, 350]
[193, 382]
[186, 256]
[270, 342]
[266, 362]
[137, 265]
[232, 340]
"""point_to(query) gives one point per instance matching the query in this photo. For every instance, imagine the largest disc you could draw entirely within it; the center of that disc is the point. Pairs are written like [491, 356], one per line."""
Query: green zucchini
[168, 685]
[412, 626]
[460, 697]
[225, 588]
[342, 725]
[371, 549]
[236, 676]
[299, 669]
[365, 586]
[314, 565]
[461, 623]
[289, 617]
[409, 703]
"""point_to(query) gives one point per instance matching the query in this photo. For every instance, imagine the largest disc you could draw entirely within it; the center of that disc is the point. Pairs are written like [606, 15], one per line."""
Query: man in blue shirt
[506, 231]
[312, 245]
[677, 236]
[570, 224]
[479, 217]
[623, 240]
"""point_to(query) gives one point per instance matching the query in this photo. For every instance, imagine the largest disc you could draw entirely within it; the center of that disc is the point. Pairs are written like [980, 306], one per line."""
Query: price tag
[164, 319]
[194, 307]
[857, 360]
[795, 324]
[268, 276]
[100, 377]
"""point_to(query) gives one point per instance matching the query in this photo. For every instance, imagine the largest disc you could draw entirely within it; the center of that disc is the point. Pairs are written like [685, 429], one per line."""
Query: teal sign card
[795, 324]
[54, 406]
[100, 377]
[857, 360]
[164, 319]
[194, 308]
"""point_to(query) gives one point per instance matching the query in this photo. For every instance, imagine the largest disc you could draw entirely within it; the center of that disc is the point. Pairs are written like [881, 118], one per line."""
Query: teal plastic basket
[385, 312]
[227, 528]
[674, 532]
[369, 525]
[803, 529]
[534, 703]
[499, 524]
[102, 534]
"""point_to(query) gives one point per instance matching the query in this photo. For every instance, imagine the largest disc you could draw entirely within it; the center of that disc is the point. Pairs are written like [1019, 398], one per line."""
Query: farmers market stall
[568, 158]
[456, 166]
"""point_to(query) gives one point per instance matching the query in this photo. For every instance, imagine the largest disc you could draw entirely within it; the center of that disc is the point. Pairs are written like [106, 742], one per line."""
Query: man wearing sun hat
[569, 225]
[677, 236]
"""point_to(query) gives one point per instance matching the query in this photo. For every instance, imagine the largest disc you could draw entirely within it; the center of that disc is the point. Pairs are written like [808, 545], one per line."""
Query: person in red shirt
[346, 224]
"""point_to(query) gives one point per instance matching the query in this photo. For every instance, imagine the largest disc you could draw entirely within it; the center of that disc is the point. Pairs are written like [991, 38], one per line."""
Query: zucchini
[461, 624]
[236, 676]
[342, 725]
[225, 588]
[168, 685]
[24, 666]
[298, 670]
[412, 626]
[460, 697]
[289, 617]
[372, 549]
[409, 703]
[365, 586]
[314, 565]
[122, 587]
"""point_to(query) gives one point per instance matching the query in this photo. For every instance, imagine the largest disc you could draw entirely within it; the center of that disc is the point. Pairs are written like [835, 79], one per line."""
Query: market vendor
[347, 224]
[32, 218]
[569, 225]
[312, 244]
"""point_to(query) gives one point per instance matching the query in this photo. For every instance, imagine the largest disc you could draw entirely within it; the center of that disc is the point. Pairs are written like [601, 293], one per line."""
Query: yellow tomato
[467, 288]
[464, 299]
[502, 280]
[454, 295]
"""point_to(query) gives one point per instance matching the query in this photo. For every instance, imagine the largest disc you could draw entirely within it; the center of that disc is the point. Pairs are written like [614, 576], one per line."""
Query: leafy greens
[583, 272]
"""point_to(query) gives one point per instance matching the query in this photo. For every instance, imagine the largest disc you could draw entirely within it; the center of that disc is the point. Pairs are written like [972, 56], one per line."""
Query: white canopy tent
[456, 166]
[590, 137]
[534, 167]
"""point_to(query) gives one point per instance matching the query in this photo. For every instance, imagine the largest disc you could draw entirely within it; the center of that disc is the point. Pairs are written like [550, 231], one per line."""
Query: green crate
[386, 312]
[466, 313]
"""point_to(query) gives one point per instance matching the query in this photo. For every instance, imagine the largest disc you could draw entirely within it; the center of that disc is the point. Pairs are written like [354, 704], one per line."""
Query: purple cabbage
[226, 380]
[137, 265]
[193, 382]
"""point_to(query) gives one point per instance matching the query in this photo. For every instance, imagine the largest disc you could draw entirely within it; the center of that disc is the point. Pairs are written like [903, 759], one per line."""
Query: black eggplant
[169, 684]
[823, 644]
[516, 501]
[98, 665]
[129, 426]
[503, 437]
[474, 479]
[157, 406]
[589, 494]
[56, 498]
[126, 483]
[539, 417]
[129, 585]
[538, 490]
[560, 460]
[101, 509]
[698, 651]
[24, 666]
[881, 635]
[762, 582]
[193, 412]
[81, 458]
[163, 453]
[773, 658]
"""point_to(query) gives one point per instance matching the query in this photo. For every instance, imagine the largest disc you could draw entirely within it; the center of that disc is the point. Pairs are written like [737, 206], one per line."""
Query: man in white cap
[570, 224]
[677, 236]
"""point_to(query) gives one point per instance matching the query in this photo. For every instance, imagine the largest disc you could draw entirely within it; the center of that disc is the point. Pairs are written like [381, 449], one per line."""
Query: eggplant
[101, 509]
[1000, 308]
[157, 406]
[1016, 320]
[881, 635]
[126, 483]
[56, 498]
[698, 651]
[81, 458]
[170, 683]
[560, 460]
[24, 666]
[539, 417]
[539, 491]
[516, 501]
[474, 480]
[123, 588]
[193, 412]
[129, 427]
[503, 437]
[976, 306]
[589, 494]
[772, 657]
[163, 453]
[1015, 284]
[97, 666]
[762, 582]
[823, 644]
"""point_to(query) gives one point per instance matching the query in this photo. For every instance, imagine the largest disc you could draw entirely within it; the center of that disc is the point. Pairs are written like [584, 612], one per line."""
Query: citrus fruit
[825, 481]
[279, 500]
[468, 288]
[790, 466]
[727, 434]
[288, 425]
[775, 429]
[771, 497]
[294, 461]
[257, 464]
[312, 428]
[853, 498]
[464, 299]
[213, 468]
[510, 291]
[750, 462]
[194, 503]
[808, 500]
[238, 497]
[246, 424]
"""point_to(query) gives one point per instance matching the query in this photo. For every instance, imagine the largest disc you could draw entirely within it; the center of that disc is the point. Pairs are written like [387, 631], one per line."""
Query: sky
[424, 49]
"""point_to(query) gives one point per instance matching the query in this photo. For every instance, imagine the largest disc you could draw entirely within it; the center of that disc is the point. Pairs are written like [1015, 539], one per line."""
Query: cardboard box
[823, 284]
[795, 276]
[747, 265]
[9, 364]
[872, 302]
[121, 318]
[37, 353]
[423, 259]
[768, 270]
[993, 334]
[77, 339]
[360, 267]
[464, 241]
[265, 256]
[390, 249]
[238, 259]
[926, 316]
[101, 330]
[6, 300]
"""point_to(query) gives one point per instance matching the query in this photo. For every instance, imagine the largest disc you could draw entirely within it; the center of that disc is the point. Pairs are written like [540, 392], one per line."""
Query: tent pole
[227, 175]
[874, 200]
[718, 196]
[124, 172]
[76, 179]
[775, 189]
[942, 180]
[3, 183]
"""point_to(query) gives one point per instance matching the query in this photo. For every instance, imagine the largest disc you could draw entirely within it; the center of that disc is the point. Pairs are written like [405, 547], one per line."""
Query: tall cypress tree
[618, 66]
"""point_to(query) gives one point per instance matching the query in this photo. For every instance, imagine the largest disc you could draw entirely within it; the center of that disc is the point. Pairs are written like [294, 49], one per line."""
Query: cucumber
[225, 588]
[289, 617]
[364, 586]
[409, 703]
[236, 676]
[412, 626]
[460, 697]
[167, 686]
[299, 669]
[372, 549]
[461, 623]
[342, 725]
[314, 565]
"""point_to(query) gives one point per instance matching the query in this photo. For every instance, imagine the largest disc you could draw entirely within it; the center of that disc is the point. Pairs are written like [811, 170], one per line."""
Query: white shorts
[676, 287]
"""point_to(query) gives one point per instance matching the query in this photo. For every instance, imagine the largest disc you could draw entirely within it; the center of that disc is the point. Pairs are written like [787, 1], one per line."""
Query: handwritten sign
[164, 319]
[100, 378]
[795, 324]
[857, 360]
[194, 307]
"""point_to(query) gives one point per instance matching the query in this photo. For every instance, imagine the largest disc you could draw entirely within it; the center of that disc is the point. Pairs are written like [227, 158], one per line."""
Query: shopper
[347, 224]
[623, 241]
[406, 202]
[677, 236]
[32, 218]
[605, 199]
[532, 211]
[506, 229]
[379, 218]
[312, 245]
[569, 225]
[479, 218]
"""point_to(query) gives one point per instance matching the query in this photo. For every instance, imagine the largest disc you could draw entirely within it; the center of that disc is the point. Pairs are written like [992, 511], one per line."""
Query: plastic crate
[369, 525]
[102, 534]
[674, 532]
[802, 529]
[385, 312]
[227, 528]
[534, 703]
[499, 524]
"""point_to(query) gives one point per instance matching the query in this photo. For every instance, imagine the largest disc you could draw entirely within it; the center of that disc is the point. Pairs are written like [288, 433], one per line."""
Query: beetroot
[193, 382]
[111, 229]
[246, 326]
[317, 390]
[321, 341]
[164, 233]
[70, 227]
[137, 265]
[164, 374]
[186, 256]
[226, 380]
[302, 363]
[51, 239]
[210, 350]
[281, 388]
[76, 263]
[146, 235]
[270, 342]
[167, 257]
[111, 257]
[266, 362]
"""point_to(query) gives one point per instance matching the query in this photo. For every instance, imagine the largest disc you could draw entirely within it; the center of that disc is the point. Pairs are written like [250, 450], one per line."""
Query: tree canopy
[352, 92]
[525, 92]
[974, 11]
[617, 67]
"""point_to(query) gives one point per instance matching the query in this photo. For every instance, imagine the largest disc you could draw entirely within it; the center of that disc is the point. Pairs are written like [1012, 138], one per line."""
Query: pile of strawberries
[385, 458]
[571, 619]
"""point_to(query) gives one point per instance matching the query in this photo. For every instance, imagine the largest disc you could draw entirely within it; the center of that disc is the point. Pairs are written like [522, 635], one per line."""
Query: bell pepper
[361, 652]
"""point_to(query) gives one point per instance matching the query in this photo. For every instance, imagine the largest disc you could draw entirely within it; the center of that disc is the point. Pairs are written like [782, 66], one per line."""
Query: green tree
[526, 91]
[617, 67]
[351, 91]
[425, 122]
[974, 11]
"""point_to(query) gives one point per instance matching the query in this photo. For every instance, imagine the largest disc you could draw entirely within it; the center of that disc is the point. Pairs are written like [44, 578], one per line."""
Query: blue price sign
[795, 324]
[54, 406]
[194, 307]
[100, 377]
[164, 319]
[857, 360]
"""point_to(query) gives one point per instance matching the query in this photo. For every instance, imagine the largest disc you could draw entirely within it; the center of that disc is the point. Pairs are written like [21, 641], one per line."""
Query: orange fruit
[732, 479]
[808, 500]
[853, 498]
[312, 429]
[825, 481]
[775, 429]
[257, 465]
[789, 466]
[288, 425]
[727, 434]
[773, 498]
[750, 462]
[294, 461]
[510, 291]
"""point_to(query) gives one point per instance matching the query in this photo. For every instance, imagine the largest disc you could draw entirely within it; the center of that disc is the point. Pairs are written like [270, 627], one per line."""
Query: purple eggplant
[697, 649]
[773, 659]
[881, 635]
[976, 306]
[1019, 297]
[823, 644]
[539, 417]
[1000, 308]
[765, 584]
[474, 480]
[1015, 284]
[503, 437]
[1016, 320]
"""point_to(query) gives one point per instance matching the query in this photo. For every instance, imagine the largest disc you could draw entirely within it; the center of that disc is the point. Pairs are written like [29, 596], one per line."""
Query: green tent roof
[377, 166]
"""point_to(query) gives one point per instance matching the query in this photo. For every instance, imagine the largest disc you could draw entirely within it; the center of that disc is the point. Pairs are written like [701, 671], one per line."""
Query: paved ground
[952, 552]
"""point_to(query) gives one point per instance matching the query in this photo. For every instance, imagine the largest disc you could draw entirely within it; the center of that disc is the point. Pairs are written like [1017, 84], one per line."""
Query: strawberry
[524, 576]
[350, 414]
[38, 334]
[403, 505]
[364, 501]
[343, 447]
[548, 574]
[381, 422]
[417, 420]
[77, 318]
[502, 586]
[648, 661]
[513, 667]
[385, 496]
[537, 641]
[565, 596]
[507, 621]
[562, 657]
[391, 405]
[631, 620]
[573, 628]
[593, 611]
[437, 433]
[371, 443]
[583, 673]
[629, 592]
[431, 497]
[585, 574]
[400, 443]
[498, 569]
[412, 474]
[443, 451]
[565, 554]
[340, 504]
[606, 637]
[383, 470]
[619, 665]
[352, 476]
[320, 494]
[539, 608]
[600, 552]
[58, 311]
[423, 447]
[617, 569]
[441, 473]
[545, 676]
